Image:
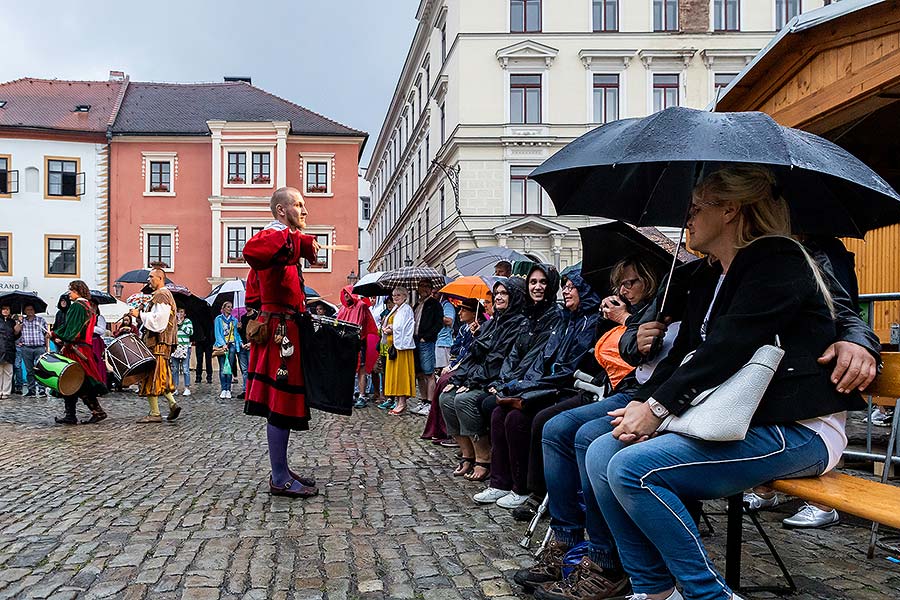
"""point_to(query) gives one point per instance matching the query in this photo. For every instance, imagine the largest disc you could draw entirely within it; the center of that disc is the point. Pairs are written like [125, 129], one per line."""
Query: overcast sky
[340, 58]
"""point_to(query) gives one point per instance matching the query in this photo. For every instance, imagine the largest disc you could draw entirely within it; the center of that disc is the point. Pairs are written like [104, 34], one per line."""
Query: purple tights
[278, 443]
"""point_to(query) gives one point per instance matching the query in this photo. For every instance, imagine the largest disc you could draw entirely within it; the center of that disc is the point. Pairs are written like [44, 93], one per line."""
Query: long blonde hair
[763, 212]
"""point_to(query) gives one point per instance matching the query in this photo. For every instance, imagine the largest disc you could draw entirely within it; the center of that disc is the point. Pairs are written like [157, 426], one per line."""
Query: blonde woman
[400, 370]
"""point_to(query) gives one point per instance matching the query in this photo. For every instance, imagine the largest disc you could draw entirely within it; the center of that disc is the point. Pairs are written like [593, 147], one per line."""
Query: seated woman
[461, 398]
[519, 400]
[471, 315]
[768, 287]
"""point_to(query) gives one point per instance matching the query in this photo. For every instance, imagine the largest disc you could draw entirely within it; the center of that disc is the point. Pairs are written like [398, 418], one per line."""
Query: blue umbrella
[642, 171]
[309, 292]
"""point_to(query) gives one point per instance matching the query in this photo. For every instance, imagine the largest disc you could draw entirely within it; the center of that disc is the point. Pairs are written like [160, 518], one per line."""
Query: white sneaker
[490, 495]
[756, 502]
[223, 394]
[512, 500]
[186, 392]
[423, 409]
[675, 595]
[228, 394]
[882, 418]
[810, 517]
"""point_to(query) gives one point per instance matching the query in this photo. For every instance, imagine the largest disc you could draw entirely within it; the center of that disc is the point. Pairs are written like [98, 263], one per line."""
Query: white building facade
[491, 89]
[53, 215]
[365, 218]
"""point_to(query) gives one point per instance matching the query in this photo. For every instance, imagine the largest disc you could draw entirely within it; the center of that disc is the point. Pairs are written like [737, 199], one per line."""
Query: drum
[59, 373]
[130, 359]
[330, 351]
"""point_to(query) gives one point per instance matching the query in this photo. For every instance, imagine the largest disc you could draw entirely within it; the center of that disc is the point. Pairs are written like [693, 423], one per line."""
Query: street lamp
[408, 261]
[117, 289]
[352, 278]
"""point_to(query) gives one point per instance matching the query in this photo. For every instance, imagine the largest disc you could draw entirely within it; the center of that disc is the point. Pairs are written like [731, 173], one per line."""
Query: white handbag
[723, 413]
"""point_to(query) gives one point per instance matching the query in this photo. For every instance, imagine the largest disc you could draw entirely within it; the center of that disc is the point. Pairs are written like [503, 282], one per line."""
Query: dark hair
[80, 288]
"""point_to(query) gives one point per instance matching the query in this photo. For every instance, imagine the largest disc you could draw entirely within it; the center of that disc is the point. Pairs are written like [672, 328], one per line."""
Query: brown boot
[548, 567]
[587, 582]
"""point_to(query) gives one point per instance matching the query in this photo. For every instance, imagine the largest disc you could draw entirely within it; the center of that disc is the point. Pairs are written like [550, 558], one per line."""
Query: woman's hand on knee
[449, 387]
[634, 423]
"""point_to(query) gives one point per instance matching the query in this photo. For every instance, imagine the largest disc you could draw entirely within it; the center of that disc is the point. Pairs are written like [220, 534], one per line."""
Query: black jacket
[8, 339]
[493, 343]
[769, 290]
[432, 321]
[542, 317]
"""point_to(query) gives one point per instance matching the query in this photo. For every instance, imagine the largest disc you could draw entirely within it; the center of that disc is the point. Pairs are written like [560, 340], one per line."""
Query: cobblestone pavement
[120, 510]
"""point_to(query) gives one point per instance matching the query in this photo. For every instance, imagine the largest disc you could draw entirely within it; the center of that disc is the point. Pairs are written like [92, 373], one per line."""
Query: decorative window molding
[246, 177]
[160, 253]
[606, 59]
[236, 232]
[62, 256]
[315, 187]
[151, 183]
[527, 53]
[667, 58]
[6, 253]
[325, 237]
[730, 59]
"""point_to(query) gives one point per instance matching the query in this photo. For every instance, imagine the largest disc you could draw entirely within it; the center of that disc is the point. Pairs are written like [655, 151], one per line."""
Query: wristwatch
[657, 409]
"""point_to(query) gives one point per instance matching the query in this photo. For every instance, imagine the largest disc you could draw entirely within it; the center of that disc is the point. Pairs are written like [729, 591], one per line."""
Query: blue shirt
[445, 337]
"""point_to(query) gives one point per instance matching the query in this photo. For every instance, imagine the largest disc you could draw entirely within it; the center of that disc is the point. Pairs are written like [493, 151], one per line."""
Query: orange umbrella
[471, 286]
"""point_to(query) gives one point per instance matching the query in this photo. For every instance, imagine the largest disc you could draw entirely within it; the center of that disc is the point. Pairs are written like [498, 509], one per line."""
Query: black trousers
[203, 352]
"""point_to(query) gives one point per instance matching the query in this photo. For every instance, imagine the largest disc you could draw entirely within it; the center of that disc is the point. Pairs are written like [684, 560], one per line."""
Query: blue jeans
[243, 357]
[225, 380]
[426, 357]
[28, 355]
[565, 440]
[640, 489]
[182, 366]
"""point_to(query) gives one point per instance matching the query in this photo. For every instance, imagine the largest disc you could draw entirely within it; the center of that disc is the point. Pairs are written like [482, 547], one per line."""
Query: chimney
[236, 78]
[117, 75]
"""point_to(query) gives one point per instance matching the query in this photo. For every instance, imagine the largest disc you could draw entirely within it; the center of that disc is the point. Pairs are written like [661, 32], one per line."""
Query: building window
[317, 177]
[605, 15]
[665, 15]
[427, 66]
[524, 193]
[160, 176]
[261, 165]
[237, 237]
[62, 256]
[6, 254]
[606, 98]
[443, 124]
[366, 209]
[785, 10]
[443, 213]
[443, 41]
[525, 98]
[237, 167]
[322, 260]
[524, 16]
[63, 178]
[255, 230]
[721, 81]
[665, 90]
[727, 15]
[4, 175]
[159, 249]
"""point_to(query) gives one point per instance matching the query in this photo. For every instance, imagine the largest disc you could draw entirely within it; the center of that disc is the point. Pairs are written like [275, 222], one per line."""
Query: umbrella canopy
[607, 244]
[137, 276]
[471, 286]
[481, 261]
[409, 277]
[137, 300]
[310, 293]
[101, 297]
[642, 171]
[232, 291]
[330, 309]
[114, 312]
[368, 286]
[18, 300]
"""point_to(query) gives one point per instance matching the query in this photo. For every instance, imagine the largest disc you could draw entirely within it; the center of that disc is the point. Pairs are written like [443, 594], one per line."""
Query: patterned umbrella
[409, 277]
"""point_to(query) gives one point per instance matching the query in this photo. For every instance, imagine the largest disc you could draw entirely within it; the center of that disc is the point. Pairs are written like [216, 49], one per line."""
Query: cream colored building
[490, 89]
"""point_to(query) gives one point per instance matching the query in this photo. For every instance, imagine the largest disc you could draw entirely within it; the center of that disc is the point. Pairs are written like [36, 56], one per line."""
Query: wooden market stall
[836, 72]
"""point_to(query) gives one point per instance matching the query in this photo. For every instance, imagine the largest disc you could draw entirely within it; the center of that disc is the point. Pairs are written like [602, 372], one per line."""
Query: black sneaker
[28, 394]
[548, 567]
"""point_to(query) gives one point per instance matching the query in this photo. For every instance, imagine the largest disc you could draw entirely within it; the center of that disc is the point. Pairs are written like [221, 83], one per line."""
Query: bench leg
[888, 459]
[733, 543]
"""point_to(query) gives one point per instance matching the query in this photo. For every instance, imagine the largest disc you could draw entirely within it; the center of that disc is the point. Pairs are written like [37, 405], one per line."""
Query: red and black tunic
[275, 283]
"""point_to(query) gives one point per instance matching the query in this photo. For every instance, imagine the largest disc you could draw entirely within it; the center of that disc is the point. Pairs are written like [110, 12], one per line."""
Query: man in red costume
[275, 388]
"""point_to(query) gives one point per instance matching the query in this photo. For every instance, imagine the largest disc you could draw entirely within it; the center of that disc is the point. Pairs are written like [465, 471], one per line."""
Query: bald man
[160, 336]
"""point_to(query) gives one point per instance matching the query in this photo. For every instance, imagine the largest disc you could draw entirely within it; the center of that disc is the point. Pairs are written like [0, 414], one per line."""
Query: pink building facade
[192, 168]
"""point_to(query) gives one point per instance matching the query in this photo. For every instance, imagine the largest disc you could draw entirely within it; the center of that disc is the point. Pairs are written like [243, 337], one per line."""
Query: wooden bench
[870, 500]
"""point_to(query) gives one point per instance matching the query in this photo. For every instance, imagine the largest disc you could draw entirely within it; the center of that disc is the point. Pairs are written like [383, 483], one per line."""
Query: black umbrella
[195, 308]
[137, 276]
[18, 300]
[642, 171]
[101, 297]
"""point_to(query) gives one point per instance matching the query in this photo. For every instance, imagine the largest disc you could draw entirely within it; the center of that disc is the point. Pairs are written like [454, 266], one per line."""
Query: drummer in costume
[275, 377]
[75, 338]
[160, 336]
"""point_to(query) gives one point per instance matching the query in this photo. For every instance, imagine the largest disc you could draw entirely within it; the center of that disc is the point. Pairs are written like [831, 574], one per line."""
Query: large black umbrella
[607, 244]
[642, 171]
[137, 276]
[196, 308]
[101, 297]
[18, 300]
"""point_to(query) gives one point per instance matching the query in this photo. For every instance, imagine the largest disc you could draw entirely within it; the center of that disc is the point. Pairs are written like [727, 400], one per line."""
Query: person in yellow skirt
[400, 370]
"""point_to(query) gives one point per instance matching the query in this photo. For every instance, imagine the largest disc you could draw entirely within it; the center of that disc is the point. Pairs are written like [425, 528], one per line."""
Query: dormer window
[2, 103]
[82, 107]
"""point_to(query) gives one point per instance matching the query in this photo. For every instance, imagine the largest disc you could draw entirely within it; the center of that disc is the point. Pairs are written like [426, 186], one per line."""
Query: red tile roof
[50, 104]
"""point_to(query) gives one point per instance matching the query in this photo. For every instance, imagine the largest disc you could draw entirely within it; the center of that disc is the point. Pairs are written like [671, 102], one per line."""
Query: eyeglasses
[501, 294]
[629, 283]
[568, 287]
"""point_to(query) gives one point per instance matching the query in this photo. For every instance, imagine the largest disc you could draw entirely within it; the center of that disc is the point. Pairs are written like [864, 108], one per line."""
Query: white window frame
[235, 223]
[169, 157]
[775, 26]
[664, 71]
[329, 231]
[328, 159]
[533, 69]
[712, 18]
[508, 166]
[146, 230]
[248, 150]
[712, 80]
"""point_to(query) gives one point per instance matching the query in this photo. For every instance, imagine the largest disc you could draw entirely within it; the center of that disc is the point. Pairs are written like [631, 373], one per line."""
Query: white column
[281, 154]
[216, 236]
[215, 128]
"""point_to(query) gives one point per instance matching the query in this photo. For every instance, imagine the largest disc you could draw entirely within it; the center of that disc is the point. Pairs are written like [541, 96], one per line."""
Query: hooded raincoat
[356, 310]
